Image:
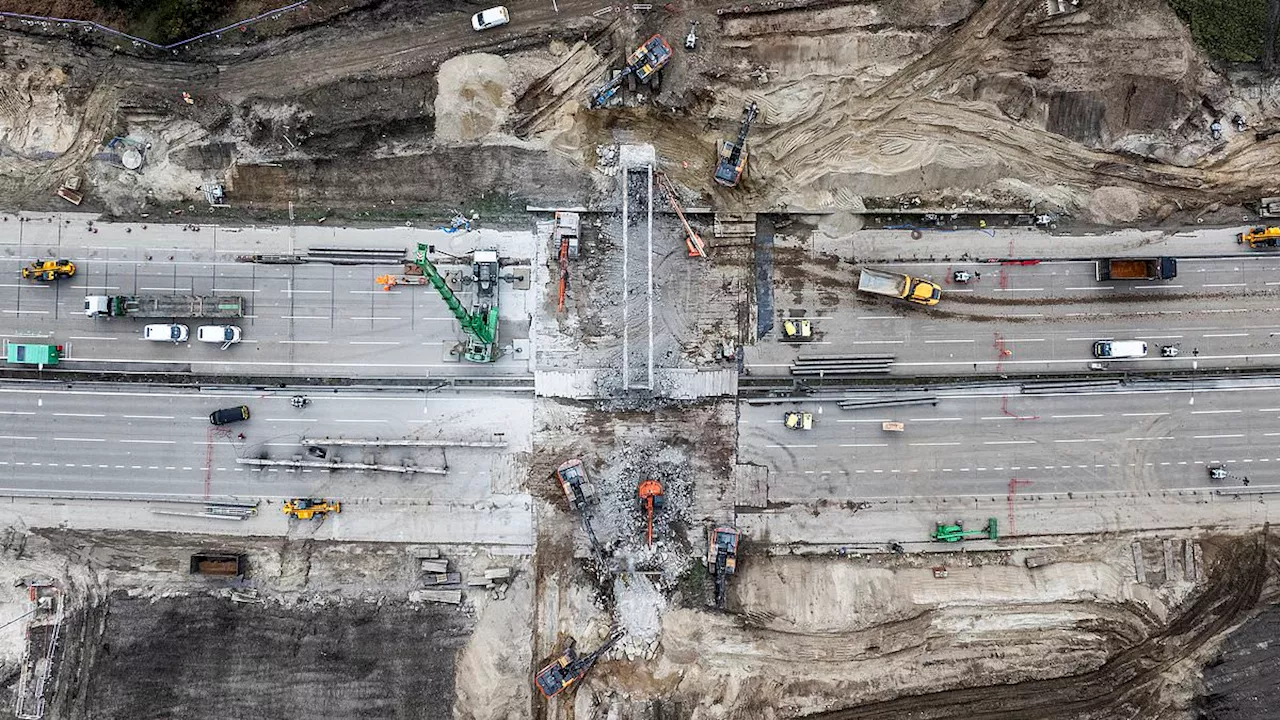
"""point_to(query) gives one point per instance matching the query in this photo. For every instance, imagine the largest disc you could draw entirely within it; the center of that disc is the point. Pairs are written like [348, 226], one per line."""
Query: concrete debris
[619, 521]
[638, 608]
[435, 566]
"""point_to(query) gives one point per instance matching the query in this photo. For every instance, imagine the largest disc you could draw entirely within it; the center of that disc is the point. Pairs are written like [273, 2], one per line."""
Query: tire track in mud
[956, 55]
[1127, 686]
[808, 151]
[34, 177]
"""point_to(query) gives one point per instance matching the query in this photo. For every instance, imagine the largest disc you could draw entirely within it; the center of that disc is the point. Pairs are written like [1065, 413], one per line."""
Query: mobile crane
[644, 64]
[481, 323]
[308, 508]
[1264, 236]
[733, 155]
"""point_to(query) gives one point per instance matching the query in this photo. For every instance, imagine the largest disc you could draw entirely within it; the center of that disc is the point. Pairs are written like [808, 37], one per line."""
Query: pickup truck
[1157, 268]
[898, 285]
[165, 306]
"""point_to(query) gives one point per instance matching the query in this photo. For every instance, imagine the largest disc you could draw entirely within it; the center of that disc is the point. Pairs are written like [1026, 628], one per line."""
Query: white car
[491, 18]
[224, 335]
[166, 333]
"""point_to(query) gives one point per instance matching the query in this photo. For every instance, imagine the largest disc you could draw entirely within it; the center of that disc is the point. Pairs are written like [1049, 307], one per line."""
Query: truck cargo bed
[882, 283]
[165, 306]
[1159, 268]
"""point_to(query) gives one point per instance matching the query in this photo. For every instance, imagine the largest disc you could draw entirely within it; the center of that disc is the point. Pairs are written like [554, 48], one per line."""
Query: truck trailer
[165, 306]
[1156, 268]
[899, 285]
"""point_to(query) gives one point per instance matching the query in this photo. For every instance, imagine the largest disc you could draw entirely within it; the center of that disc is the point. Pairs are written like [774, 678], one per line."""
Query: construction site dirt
[207, 657]
[401, 111]
[1101, 113]
[312, 629]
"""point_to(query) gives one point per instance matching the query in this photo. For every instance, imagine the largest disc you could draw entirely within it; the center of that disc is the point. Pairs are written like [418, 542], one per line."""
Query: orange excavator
[652, 499]
[697, 248]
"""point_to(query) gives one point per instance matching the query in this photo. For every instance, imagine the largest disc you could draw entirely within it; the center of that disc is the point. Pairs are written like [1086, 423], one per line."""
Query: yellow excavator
[307, 508]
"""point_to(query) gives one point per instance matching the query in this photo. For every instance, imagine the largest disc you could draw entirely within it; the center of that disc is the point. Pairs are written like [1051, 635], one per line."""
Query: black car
[229, 415]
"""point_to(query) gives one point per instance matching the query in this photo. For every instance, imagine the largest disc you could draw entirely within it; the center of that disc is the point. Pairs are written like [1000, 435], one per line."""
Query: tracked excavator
[480, 323]
[579, 491]
[722, 558]
[644, 65]
[733, 155]
[569, 667]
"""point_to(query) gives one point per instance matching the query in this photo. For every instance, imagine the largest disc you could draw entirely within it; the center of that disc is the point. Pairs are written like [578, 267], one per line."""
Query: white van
[1120, 349]
[165, 333]
[224, 335]
[491, 18]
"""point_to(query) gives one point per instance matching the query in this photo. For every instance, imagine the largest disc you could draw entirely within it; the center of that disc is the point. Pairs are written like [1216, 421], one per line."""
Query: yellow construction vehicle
[1266, 236]
[307, 508]
[797, 330]
[797, 420]
[49, 269]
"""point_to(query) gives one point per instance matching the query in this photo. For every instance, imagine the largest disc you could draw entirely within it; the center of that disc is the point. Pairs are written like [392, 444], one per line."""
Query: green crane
[481, 323]
[948, 532]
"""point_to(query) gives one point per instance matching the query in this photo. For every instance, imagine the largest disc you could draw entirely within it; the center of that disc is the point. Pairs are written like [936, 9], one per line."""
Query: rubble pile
[638, 608]
[620, 521]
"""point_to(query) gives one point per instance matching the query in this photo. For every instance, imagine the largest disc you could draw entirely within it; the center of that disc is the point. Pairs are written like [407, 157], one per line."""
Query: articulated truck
[1156, 268]
[165, 306]
[898, 285]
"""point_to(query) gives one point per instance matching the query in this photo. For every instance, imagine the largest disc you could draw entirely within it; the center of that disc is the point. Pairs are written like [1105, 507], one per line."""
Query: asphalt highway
[1038, 318]
[978, 442]
[305, 320]
[144, 441]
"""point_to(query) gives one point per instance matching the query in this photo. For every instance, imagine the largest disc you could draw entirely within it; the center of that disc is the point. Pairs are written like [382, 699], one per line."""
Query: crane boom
[483, 326]
[480, 323]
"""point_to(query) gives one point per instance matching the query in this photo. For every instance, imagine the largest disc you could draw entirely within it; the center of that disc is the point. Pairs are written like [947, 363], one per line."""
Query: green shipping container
[34, 354]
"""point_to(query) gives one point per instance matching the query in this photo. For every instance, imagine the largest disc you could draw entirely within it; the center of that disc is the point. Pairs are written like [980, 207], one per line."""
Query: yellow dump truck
[899, 285]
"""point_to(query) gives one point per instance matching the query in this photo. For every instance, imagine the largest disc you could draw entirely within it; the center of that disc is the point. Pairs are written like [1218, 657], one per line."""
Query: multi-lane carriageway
[133, 440]
[1040, 318]
[1120, 439]
[309, 320]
